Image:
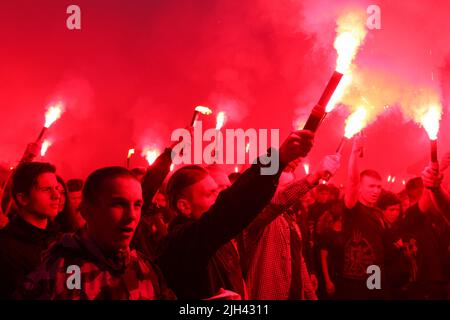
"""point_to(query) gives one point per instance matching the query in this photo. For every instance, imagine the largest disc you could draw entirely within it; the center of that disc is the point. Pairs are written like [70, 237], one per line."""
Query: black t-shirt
[397, 264]
[427, 234]
[333, 242]
[363, 233]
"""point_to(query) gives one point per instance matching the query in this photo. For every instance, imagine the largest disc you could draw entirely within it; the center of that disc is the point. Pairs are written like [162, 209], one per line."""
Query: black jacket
[189, 257]
[21, 245]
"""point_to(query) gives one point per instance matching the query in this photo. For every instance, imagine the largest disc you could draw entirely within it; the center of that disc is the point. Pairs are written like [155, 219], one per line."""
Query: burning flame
[53, 113]
[172, 166]
[355, 122]
[130, 153]
[351, 32]
[150, 155]
[430, 121]
[339, 92]
[220, 120]
[236, 169]
[393, 179]
[389, 178]
[203, 110]
[45, 145]
[404, 182]
[306, 167]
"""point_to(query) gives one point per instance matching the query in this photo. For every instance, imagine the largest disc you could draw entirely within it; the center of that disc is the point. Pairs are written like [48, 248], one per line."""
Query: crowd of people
[199, 233]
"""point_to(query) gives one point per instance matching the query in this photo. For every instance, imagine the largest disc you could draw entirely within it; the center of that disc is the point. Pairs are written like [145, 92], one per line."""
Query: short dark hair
[95, 181]
[139, 171]
[74, 185]
[182, 179]
[370, 173]
[25, 176]
[412, 184]
[387, 199]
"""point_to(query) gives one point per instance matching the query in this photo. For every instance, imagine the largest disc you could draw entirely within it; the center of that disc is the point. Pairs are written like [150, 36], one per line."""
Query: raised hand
[431, 176]
[298, 144]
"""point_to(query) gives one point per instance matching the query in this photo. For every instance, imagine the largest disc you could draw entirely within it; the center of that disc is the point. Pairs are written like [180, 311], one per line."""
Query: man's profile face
[201, 196]
[113, 217]
[43, 199]
[369, 191]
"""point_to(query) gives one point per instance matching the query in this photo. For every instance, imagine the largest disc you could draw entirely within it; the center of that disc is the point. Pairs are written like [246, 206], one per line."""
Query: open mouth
[127, 230]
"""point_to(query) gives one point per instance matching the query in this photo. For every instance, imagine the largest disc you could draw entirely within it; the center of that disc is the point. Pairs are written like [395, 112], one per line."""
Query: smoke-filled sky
[136, 69]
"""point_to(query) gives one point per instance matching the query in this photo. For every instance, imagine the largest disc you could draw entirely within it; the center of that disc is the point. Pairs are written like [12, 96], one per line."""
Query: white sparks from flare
[150, 155]
[306, 167]
[351, 32]
[45, 145]
[130, 153]
[53, 113]
[430, 121]
[339, 92]
[355, 122]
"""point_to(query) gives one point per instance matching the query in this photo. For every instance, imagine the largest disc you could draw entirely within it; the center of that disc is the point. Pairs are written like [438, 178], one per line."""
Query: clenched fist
[298, 144]
[431, 176]
[331, 164]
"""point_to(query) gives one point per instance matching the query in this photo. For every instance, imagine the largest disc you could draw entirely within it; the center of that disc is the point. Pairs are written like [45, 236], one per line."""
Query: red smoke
[137, 69]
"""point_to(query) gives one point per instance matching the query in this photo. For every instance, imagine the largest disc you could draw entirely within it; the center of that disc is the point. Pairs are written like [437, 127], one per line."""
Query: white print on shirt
[359, 255]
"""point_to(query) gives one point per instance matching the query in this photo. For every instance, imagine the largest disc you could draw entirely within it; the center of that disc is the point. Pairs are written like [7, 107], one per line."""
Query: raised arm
[288, 195]
[238, 205]
[156, 173]
[352, 186]
[154, 177]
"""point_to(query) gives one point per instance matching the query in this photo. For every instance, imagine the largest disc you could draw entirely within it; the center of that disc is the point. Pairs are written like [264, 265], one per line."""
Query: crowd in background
[199, 233]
